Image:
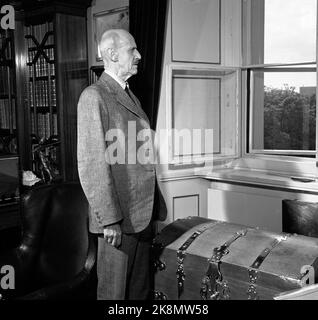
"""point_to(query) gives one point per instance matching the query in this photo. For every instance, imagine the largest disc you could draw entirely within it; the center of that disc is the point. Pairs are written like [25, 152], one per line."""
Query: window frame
[207, 159]
[272, 160]
[251, 110]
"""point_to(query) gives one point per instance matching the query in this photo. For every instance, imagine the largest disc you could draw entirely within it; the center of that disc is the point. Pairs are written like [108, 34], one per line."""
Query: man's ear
[112, 54]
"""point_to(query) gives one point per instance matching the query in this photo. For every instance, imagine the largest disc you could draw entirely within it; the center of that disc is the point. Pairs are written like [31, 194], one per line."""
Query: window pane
[284, 110]
[197, 106]
[290, 31]
[203, 113]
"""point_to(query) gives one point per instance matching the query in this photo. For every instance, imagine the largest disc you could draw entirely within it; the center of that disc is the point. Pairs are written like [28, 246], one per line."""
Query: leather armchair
[300, 217]
[56, 256]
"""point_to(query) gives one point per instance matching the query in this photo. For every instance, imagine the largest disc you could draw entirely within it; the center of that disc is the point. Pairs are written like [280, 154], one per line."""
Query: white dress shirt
[122, 83]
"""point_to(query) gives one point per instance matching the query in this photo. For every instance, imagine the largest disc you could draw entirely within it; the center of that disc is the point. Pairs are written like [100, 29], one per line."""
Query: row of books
[94, 76]
[5, 46]
[38, 32]
[4, 80]
[7, 114]
[40, 89]
[45, 128]
[41, 67]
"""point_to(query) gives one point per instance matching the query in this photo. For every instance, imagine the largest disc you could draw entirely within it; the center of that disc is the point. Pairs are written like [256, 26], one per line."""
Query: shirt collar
[122, 83]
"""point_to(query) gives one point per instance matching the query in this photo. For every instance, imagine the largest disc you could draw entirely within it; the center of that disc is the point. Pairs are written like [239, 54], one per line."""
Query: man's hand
[112, 234]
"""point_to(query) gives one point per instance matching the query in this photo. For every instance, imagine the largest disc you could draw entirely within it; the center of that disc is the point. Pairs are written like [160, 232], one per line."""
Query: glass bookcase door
[9, 159]
[8, 136]
[42, 106]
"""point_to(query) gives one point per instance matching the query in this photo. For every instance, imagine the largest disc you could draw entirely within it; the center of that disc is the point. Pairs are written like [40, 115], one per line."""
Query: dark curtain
[147, 19]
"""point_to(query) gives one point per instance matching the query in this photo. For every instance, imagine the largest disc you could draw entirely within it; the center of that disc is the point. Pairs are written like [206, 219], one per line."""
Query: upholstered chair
[56, 257]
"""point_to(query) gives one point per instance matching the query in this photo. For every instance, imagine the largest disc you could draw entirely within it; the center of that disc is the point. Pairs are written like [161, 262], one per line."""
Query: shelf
[47, 46]
[38, 78]
[30, 64]
[44, 109]
[9, 201]
[6, 131]
[6, 96]
[8, 156]
[6, 63]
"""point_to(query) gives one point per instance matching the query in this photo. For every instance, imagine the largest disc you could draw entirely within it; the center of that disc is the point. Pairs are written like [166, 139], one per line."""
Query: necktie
[127, 91]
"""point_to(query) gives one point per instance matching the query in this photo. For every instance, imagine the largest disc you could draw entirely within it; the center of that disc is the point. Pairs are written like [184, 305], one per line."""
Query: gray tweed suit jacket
[117, 193]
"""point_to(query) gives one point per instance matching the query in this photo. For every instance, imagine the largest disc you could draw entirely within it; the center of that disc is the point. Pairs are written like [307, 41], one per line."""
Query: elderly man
[121, 194]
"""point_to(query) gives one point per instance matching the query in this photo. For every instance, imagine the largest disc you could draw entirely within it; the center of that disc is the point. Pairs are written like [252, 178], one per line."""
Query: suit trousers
[137, 283]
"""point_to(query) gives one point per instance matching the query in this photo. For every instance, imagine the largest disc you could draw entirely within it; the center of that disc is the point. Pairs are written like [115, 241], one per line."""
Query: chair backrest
[300, 217]
[55, 232]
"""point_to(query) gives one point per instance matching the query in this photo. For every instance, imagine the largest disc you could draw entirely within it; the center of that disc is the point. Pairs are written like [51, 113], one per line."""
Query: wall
[185, 197]
[99, 6]
[185, 192]
[182, 192]
[251, 206]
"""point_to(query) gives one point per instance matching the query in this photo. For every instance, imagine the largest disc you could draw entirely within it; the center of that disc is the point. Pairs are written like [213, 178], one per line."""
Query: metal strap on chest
[253, 269]
[214, 287]
[181, 253]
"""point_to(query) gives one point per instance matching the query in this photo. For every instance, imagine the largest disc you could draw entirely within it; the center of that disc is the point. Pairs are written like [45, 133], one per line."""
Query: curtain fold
[147, 20]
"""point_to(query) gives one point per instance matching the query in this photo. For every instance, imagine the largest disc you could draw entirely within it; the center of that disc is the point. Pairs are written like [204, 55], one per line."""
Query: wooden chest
[198, 258]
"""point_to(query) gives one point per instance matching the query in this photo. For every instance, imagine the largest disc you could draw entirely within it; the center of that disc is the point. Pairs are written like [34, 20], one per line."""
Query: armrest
[14, 258]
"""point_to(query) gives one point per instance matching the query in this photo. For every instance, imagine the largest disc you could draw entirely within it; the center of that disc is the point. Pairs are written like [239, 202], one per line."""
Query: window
[280, 74]
[202, 114]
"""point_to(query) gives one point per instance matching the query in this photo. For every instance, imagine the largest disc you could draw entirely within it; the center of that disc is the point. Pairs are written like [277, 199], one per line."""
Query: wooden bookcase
[54, 70]
[41, 107]
[95, 73]
[8, 137]
[43, 70]
[9, 159]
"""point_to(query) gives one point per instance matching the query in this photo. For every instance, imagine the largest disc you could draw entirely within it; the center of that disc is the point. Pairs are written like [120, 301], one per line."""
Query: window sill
[261, 178]
[278, 165]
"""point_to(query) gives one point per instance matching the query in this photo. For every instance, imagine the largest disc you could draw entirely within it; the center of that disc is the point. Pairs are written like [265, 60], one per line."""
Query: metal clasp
[206, 288]
[159, 265]
[158, 295]
[218, 254]
[251, 291]
[224, 291]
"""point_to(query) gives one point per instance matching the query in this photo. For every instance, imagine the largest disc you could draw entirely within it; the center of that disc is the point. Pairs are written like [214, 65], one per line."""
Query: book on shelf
[46, 124]
[95, 73]
[5, 46]
[4, 80]
[7, 114]
[30, 94]
[43, 92]
[42, 67]
[53, 92]
[32, 120]
[38, 32]
[55, 130]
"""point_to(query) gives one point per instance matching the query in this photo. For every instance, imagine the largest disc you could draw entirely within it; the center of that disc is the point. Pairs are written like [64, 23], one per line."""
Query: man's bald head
[113, 39]
[119, 52]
